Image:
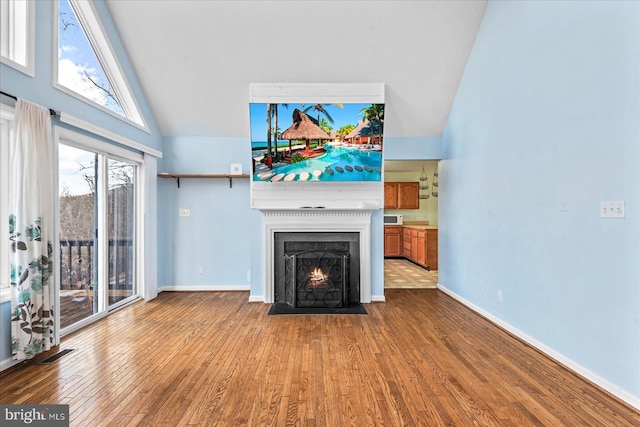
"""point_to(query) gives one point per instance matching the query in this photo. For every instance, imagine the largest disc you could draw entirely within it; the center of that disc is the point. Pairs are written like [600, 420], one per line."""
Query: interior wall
[411, 148]
[211, 248]
[545, 127]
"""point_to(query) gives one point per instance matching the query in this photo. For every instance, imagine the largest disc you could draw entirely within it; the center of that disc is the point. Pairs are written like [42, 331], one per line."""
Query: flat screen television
[316, 142]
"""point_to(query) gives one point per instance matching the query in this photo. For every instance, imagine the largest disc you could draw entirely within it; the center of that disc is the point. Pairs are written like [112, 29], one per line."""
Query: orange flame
[317, 277]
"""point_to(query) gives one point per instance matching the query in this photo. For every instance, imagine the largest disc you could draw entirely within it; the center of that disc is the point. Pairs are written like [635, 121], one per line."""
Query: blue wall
[412, 148]
[222, 233]
[39, 89]
[543, 128]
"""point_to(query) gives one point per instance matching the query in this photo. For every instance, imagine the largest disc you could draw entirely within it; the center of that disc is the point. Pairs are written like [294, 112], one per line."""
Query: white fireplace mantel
[317, 206]
[318, 220]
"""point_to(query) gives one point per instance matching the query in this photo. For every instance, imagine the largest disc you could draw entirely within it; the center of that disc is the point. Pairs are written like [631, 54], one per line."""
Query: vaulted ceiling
[196, 59]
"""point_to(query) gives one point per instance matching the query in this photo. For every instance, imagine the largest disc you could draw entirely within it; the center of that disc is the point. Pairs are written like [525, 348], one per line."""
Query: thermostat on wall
[236, 168]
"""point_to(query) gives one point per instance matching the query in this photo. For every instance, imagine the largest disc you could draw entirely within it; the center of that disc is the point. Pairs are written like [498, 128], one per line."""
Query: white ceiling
[196, 59]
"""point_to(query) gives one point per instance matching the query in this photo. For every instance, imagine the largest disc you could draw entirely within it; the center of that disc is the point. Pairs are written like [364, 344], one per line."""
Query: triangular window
[87, 65]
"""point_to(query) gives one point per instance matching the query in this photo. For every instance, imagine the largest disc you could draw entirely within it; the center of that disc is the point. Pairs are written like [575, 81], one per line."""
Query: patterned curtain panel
[30, 229]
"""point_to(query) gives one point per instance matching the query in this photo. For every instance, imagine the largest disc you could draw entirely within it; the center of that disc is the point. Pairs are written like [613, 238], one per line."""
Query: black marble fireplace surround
[317, 270]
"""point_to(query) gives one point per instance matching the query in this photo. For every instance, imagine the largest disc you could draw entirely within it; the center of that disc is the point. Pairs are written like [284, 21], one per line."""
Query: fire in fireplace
[317, 269]
[317, 279]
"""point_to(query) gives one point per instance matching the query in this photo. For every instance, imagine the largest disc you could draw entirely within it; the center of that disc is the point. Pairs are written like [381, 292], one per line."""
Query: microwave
[392, 219]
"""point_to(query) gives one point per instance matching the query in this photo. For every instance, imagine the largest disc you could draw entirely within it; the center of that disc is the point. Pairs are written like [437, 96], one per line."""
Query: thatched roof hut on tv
[365, 132]
[304, 128]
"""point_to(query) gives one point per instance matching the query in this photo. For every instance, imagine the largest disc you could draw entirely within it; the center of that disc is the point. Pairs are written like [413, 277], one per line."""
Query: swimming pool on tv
[337, 164]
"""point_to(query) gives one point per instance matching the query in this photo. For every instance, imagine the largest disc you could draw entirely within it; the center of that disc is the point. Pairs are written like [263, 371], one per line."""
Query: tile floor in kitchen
[400, 273]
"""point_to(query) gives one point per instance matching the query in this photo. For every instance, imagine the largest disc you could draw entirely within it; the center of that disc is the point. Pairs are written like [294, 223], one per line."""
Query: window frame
[8, 17]
[99, 41]
[6, 130]
[105, 150]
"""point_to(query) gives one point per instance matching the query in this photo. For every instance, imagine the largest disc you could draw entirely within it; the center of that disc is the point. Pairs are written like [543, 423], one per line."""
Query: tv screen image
[316, 142]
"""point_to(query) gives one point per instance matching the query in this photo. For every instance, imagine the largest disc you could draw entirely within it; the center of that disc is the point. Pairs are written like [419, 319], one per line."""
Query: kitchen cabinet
[390, 195]
[431, 251]
[421, 237]
[416, 244]
[393, 241]
[408, 195]
[401, 195]
[406, 243]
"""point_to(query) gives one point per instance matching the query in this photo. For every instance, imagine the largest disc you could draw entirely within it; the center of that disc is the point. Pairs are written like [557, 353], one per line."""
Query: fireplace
[317, 269]
[349, 225]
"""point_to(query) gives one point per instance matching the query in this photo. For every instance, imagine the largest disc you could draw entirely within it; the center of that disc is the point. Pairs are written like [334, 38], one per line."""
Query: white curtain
[30, 231]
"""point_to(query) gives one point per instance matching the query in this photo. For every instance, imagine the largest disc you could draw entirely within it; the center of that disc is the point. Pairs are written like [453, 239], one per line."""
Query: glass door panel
[121, 229]
[78, 239]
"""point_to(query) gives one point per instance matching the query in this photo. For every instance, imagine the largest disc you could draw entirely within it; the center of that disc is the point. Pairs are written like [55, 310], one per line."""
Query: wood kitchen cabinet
[390, 195]
[401, 195]
[431, 251]
[418, 245]
[408, 195]
[393, 241]
[406, 243]
[414, 245]
[421, 237]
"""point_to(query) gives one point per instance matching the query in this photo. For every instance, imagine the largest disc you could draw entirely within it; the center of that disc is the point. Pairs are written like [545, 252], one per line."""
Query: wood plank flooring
[213, 359]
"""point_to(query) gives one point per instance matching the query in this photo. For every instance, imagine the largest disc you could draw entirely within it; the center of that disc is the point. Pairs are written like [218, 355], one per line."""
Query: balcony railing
[77, 269]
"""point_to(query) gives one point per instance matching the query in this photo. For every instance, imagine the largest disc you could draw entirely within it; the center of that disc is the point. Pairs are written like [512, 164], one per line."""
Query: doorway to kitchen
[411, 191]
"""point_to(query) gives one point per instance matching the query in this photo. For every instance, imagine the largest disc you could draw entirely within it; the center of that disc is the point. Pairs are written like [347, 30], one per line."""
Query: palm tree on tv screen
[375, 114]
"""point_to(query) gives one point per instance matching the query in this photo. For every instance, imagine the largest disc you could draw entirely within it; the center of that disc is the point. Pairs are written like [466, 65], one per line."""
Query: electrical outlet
[499, 295]
[184, 212]
[201, 269]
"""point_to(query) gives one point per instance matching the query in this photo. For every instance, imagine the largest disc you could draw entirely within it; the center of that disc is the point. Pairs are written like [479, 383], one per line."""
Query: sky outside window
[78, 65]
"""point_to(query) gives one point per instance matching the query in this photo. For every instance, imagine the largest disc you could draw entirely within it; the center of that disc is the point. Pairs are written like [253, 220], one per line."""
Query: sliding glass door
[98, 222]
[78, 240]
[121, 229]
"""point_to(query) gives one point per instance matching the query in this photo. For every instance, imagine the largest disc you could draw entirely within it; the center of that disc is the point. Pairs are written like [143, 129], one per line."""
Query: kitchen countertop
[421, 225]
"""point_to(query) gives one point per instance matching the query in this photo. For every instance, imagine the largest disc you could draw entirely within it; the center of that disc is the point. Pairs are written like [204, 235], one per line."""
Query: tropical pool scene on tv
[316, 142]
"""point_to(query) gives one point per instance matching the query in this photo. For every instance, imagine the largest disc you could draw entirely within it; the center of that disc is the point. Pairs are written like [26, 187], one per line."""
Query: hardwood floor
[212, 358]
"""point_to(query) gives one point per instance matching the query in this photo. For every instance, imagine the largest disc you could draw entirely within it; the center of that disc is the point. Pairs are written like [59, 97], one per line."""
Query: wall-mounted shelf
[177, 176]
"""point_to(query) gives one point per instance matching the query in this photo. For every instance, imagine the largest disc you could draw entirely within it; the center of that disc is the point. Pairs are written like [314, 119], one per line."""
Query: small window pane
[16, 33]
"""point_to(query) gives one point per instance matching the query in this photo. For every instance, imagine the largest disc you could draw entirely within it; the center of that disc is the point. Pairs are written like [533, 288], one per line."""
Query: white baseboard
[560, 358]
[260, 298]
[7, 363]
[199, 288]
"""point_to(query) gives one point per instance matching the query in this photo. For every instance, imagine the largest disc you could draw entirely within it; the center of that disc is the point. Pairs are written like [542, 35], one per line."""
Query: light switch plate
[184, 212]
[236, 168]
[612, 209]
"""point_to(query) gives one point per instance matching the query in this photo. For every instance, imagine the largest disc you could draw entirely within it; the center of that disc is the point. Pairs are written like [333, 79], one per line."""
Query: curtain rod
[51, 111]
